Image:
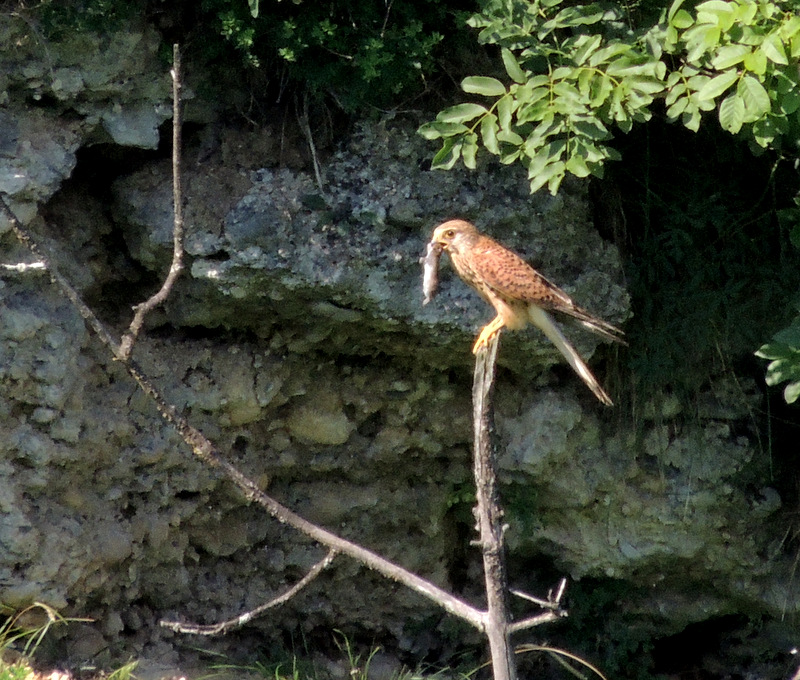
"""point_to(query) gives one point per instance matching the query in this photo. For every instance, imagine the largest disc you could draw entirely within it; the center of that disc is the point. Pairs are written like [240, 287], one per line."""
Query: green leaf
[677, 108]
[555, 181]
[513, 68]
[701, 39]
[717, 12]
[691, 118]
[754, 96]
[608, 53]
[531, 113]
[775, 351]
[729, 55]
[717, 85]
[508, 157]
[576, 164]
[567, 99]
[469, 151]
[731, 113]
[505, 109]
[675, 92]
[509, 137]
[585, 78]
[551, 174]
[489, 134]
[584, 46]
[791, 392]
[790, 27]
[629, 65]
[437, 128]
[756, 62]
[601, 89]
[766, 129]
[745, 13]
[548, 153]
[789, 102]
[774, 50]
[447, 156]
[673, 10]
[527, 97]
[592, 128]
[645, 84]
[461, 113]
[488, 87]
[550, 125]
[682, 19]
[253, 8]
[782, 369]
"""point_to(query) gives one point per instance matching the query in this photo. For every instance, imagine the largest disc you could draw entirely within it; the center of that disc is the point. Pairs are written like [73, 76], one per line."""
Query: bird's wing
[511, 277]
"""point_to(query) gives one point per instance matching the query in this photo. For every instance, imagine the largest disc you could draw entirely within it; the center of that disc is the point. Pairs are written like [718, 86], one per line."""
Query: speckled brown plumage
[517, 291]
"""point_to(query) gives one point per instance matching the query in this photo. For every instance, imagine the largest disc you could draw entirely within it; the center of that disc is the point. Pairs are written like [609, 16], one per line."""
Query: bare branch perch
[490, 516]
[242, 619]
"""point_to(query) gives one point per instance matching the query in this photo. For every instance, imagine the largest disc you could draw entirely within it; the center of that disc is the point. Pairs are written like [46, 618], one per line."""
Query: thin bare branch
[305, 125]
[242, 619]
[537, 620]
[23, 267]
[141, 310]
[552, 601]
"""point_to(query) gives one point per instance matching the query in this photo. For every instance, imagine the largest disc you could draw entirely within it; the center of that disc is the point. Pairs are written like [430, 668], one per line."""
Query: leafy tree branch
[575, 73]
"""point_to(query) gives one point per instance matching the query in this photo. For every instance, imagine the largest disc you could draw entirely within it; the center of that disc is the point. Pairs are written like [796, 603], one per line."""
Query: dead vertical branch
[305, 125]
[142, 309]
[490, 517]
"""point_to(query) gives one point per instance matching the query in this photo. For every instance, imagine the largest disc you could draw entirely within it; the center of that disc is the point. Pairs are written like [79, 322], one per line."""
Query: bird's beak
[438, 243]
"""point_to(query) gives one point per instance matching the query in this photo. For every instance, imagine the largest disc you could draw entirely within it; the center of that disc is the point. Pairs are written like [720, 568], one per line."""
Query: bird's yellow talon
[487, 335]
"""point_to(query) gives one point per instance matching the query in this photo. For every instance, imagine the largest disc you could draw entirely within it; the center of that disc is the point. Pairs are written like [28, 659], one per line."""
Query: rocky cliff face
[296, 340]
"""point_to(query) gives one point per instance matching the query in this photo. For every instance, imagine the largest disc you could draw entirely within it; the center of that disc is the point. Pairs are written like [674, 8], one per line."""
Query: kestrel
[518, 293]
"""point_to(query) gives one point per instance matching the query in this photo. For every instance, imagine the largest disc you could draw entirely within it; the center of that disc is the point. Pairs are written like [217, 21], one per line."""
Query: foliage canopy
[579, 71]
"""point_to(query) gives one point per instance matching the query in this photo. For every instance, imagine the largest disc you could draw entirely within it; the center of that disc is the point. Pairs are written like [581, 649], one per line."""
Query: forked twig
[141, 310]
[242, 619]
[552, 601]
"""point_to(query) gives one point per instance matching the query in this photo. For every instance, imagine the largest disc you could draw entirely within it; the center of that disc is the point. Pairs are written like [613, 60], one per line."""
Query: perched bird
[518, 293]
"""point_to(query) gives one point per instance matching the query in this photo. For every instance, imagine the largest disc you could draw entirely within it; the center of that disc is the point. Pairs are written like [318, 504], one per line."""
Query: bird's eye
[449, 233]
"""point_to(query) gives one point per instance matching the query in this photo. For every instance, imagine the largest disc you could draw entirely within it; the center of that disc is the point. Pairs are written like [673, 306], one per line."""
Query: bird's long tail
[542, 320]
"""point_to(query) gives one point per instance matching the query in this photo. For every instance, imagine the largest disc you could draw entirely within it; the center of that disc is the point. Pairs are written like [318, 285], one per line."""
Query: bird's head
[454, 235]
